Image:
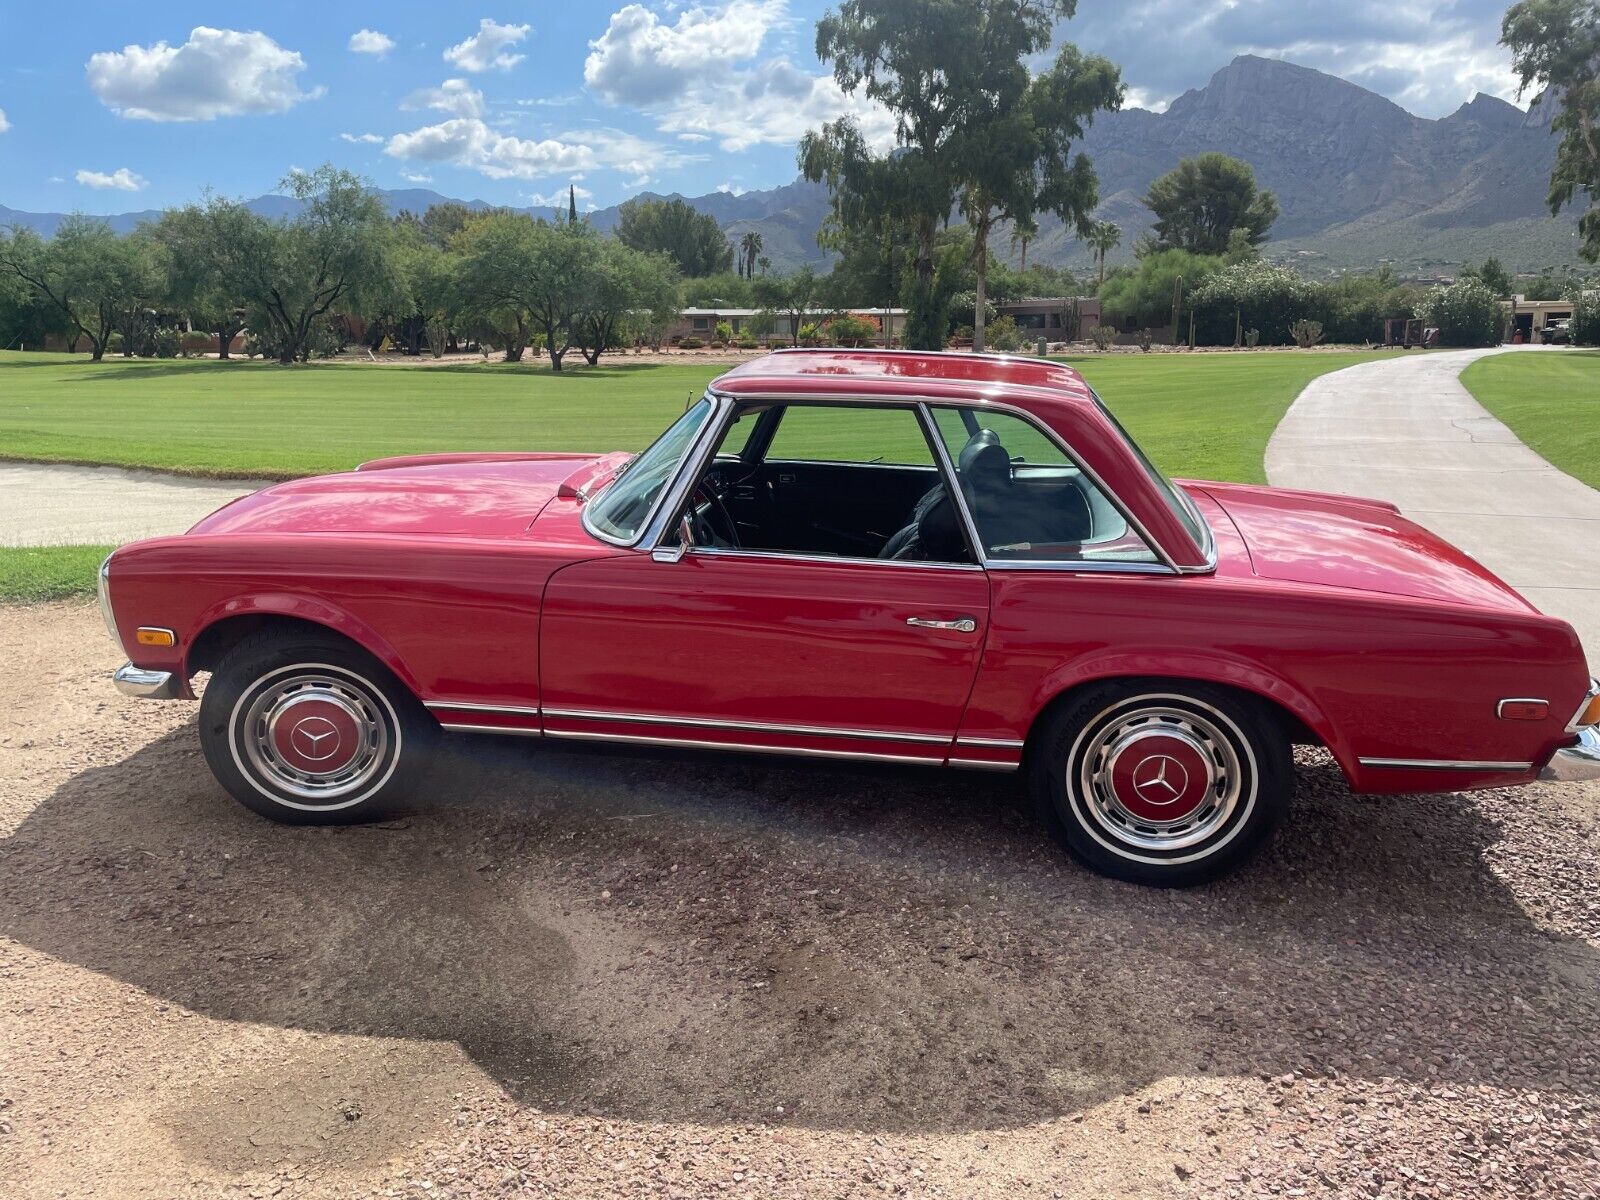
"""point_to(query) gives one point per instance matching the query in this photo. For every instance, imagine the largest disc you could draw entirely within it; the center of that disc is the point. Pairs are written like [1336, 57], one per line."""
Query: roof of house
[809, 312]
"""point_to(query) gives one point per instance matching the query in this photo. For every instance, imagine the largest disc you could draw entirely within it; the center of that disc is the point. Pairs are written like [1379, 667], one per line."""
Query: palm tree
[1103, 239]
[749, 247]
[1022, 233]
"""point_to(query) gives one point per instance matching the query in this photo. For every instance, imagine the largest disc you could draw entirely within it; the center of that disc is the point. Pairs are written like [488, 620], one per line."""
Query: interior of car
[859, 481]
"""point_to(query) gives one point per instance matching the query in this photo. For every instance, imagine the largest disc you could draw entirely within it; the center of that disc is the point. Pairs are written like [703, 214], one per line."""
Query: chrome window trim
[1594, 690]
[1165, 567]
[799, 556]
[1208, 543]
[936, 760]
[1444, 764]
[881, 735]
[693, 462]
[650, 517]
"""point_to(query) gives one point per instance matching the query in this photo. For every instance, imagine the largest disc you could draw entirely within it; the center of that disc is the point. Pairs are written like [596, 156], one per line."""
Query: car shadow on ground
[702, 938]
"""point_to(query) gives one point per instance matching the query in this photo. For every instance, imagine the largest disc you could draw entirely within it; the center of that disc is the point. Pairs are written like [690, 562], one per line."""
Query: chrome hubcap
[316, 736]
[1160, 777]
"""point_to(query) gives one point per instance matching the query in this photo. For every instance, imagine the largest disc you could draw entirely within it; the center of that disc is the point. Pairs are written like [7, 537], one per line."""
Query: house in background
[1057, 318]
[1528, 317]
[702, 322]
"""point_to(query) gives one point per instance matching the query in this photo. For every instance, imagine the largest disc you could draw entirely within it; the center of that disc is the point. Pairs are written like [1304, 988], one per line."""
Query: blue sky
[120, 106]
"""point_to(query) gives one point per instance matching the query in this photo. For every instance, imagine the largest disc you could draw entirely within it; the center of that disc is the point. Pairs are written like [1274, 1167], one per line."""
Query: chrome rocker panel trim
[1444, 764]
[873, 735]
[146, 685]
[1575, 764]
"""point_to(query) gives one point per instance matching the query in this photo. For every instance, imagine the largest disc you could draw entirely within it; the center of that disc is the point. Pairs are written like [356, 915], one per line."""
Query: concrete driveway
[1405, 430]
[49, 505]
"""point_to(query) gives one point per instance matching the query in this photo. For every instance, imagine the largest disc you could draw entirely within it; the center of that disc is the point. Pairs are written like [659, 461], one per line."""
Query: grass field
[1550, 401]
[1205, 415]
[31, 573]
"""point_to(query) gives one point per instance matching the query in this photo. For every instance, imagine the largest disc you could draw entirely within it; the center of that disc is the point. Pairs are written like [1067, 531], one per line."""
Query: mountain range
[1358, 178]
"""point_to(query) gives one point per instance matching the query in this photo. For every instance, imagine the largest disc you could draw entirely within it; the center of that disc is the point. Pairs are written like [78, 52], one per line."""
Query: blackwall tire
[1159, 782]
[309, 729]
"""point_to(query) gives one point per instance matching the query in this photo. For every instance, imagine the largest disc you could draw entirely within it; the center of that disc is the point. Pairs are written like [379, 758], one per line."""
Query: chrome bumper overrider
[146, 685]
[1576, 763]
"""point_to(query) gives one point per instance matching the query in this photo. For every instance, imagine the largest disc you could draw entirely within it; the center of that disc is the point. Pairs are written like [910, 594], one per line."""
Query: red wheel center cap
[315, 735]
[1160, 778]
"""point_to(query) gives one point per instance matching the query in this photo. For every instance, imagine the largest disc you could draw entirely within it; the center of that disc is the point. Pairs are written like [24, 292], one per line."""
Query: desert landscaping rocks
[585, 974]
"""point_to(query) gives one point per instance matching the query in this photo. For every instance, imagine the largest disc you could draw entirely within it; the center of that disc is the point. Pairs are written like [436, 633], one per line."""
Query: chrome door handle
[960, 624]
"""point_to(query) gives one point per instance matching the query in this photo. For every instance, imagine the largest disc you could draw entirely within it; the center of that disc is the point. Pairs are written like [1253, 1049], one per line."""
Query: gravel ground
[587, 974]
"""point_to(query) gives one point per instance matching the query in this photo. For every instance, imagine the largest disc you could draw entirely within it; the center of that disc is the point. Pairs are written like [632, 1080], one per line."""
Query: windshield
[1176, 500]
[619, 513]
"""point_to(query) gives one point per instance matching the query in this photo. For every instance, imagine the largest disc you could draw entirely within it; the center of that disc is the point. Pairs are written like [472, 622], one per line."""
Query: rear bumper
[147, 685]
[1576, 763]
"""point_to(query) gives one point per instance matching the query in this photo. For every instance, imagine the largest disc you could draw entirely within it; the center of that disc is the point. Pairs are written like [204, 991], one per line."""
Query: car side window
[1030, 501]
[851, 480]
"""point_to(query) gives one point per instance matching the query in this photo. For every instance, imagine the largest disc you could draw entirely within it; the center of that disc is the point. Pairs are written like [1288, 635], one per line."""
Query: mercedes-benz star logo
[1160, 779]
[316, 738]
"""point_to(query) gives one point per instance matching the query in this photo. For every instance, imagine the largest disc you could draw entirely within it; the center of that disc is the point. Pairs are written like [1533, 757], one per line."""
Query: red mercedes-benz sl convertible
[951, 560]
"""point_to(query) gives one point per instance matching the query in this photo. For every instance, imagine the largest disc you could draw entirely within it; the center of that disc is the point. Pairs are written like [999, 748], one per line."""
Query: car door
[770, 649]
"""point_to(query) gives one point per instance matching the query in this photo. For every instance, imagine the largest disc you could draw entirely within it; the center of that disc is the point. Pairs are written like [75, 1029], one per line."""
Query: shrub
[1146, 340]
[849, 330]
[1306, 333]
[778, 343]
[1250, 294]
[810, 335]
[690, 343]
[724, 332]
[1585, 317]
[1102, 336]
[166, 343]
[1466, 313]
[748, 343]
[1252, 338]
[1004, 335]
[195, 342]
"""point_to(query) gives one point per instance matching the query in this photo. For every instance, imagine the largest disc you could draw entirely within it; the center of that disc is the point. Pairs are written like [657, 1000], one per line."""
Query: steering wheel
[709, 519]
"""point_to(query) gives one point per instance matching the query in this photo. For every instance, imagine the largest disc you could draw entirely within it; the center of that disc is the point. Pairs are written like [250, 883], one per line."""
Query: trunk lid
[1346, 542]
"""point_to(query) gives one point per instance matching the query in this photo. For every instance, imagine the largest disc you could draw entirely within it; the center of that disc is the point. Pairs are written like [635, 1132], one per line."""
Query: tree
[749, 251]
[85, 273]
[1144, 295]
[1023, 161]
[1250, 295]
[792, 296]
[429, 292]
[572, 204]
[291, 274]
[141, 265]
[951, 74]
[634, 295]
[1103, 237]
[692, 239]
[532, 279]
[1556, 45]
[1493, 276]
[495, 252]
[27, 318]
[1200, 202]
[196, 240]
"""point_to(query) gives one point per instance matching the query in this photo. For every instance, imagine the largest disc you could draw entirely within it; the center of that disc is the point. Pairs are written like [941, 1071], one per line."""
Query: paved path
[1407, 431]
[44, 505]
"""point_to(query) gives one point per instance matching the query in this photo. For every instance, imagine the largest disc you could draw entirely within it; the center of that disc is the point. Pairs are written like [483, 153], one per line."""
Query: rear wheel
[309, 729]
[1161, 783]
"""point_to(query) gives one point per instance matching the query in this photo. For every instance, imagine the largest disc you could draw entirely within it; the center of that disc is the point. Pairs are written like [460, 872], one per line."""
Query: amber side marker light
[1523, 710]
[150, 636]
[1590, 714]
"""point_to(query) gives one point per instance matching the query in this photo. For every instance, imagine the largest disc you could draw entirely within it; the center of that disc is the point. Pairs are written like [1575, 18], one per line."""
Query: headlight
[103, 589]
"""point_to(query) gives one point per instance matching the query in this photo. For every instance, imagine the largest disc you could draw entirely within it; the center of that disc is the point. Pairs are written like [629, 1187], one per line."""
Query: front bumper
[1576, 763]
[147, 685]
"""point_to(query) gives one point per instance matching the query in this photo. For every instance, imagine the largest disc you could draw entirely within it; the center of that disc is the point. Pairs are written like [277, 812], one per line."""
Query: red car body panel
[474, 579]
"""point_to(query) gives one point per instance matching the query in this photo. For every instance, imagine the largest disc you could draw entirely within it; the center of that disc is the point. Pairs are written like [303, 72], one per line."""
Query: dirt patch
[599, 973]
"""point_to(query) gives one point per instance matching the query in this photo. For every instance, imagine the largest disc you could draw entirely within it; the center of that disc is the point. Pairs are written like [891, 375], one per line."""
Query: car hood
[488, 496]
[1345, 542]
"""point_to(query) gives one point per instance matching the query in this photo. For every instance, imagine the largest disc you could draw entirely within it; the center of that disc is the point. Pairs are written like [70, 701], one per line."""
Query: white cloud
[4, 124]
[469, 142]
[454, 96]
[216, 73]
[415, 177]
[122, 180]
[489, 48]
[731, 189]
[557, 198]
[362, 139]
[701, 79]
[370, 41]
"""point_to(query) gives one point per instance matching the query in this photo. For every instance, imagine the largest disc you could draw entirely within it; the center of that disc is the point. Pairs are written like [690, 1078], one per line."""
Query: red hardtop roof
[902, 373]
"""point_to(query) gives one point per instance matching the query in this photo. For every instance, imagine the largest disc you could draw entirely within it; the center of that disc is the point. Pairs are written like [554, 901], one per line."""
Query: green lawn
[1550, 401]
[29, 573]
[1204, 415]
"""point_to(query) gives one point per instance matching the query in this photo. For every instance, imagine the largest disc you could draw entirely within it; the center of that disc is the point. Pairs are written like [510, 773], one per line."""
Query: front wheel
[1161, 783]
[309, 729]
